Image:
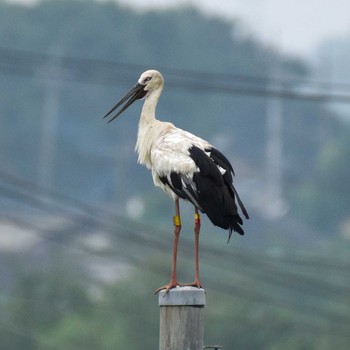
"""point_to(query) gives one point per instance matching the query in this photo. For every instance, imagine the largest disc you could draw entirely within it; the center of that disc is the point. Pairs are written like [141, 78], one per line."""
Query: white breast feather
[164, 148]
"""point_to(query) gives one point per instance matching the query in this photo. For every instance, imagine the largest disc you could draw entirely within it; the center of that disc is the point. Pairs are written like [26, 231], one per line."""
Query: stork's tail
[235, 226]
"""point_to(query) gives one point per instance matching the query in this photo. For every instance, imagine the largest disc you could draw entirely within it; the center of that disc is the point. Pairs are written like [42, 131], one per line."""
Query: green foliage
[68, 312]
[56, 310]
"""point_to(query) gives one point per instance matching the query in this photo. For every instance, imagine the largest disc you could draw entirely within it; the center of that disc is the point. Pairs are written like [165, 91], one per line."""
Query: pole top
[182, 296]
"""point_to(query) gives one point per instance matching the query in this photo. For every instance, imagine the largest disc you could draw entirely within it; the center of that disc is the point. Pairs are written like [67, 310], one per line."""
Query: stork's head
[149, 81]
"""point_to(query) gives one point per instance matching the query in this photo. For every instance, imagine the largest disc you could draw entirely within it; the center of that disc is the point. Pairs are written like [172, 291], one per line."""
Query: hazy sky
[296, 26]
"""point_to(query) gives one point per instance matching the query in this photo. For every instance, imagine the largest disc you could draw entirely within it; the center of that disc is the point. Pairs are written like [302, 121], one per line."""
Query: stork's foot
[196, 283]
[167, 287]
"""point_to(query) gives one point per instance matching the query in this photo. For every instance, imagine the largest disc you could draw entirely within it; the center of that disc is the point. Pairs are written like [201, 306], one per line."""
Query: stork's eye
[147, 79]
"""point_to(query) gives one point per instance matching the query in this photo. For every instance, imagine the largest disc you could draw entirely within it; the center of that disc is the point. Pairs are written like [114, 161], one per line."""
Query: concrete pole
[181, 319]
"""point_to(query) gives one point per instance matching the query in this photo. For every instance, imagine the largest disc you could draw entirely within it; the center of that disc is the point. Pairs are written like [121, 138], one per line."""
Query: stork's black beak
[134, 94]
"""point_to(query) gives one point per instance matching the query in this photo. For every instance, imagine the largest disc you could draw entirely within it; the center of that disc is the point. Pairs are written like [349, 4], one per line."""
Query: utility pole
[181, 318]
[52, 72]
[274, 158]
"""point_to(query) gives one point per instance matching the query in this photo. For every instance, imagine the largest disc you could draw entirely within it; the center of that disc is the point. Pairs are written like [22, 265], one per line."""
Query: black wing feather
[209, 190]
[182, 187]
[224, 163]
[216, 191]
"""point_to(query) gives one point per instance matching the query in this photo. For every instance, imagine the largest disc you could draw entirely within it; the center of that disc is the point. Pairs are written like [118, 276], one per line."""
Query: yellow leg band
[197, 218]
[177, 220]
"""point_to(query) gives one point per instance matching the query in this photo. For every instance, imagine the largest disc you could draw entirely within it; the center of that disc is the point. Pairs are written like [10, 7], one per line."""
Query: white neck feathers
[147, 130]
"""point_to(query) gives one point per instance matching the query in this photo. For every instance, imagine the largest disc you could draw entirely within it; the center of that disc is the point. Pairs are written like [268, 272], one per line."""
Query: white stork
[184, 166]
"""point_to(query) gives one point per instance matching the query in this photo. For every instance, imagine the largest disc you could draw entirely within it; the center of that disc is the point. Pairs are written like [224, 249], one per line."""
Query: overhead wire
[26, 57]
[257, 297]
[251, 295]
[36, 195]
[110, 72]
[274, 271]
[243, 292]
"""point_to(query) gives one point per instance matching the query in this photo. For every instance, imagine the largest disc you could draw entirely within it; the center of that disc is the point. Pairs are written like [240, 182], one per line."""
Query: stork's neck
[147, 130]
[148, 113]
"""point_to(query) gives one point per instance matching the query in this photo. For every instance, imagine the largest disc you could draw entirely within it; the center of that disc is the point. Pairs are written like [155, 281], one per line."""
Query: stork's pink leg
[197, 226]
[177, 228]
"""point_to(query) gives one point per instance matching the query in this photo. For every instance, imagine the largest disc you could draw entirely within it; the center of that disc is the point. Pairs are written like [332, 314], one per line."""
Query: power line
[38, 196]
[269, 272]
[109, 72]
[252, 294]
[24, 57]
[256, 296]
[272, 270]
